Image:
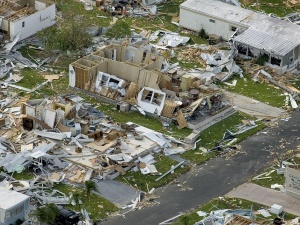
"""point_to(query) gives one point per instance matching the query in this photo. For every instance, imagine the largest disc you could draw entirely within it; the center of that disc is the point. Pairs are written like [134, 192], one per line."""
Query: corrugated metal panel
[269, 42]
[281, 31]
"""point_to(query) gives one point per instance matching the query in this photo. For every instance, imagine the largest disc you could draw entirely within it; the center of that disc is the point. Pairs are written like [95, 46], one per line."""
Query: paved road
[252, 192]
[215, 178]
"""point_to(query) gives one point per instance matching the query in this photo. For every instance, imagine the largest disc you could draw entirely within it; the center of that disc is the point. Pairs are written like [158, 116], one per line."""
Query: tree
[120, 29]
[89, 186]
[45, 214]
[76, 197]
[70, 33]
[202, 34]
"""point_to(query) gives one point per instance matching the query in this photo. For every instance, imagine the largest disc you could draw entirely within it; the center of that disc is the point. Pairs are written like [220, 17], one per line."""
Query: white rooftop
[272, 27]
[10, 198]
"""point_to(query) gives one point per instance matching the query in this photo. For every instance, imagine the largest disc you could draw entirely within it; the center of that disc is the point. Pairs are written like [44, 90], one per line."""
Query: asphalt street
[217, 176]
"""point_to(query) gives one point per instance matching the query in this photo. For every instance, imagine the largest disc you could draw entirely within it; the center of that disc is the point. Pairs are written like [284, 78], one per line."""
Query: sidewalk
[266, 196]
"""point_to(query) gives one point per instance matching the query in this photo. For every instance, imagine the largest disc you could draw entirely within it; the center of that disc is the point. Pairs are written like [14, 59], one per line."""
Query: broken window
[275, 61]
[144, 56]
[23, 24]
[3, 31]
[157, 99]
[27, 124]
[104, 80]
[232, 28]
[147, 95]
[114, 54]
[250, 52]
[212, 21]
[242, 49]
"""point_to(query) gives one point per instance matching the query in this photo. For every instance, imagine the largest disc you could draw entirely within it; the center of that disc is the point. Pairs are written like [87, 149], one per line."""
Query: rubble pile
[188, 54]
[66, 139]
[253, 69]
[131, 8]
[121, 74]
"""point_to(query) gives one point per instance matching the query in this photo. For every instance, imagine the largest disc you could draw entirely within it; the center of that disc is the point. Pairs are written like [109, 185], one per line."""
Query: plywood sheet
[181, 120]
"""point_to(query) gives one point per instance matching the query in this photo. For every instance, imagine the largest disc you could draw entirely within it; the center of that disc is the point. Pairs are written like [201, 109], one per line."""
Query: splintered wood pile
[252, 69]
[292, 3]
[192, 55]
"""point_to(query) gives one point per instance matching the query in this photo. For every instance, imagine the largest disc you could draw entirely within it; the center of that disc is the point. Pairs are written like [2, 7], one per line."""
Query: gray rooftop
[262, 40]
[270, 27]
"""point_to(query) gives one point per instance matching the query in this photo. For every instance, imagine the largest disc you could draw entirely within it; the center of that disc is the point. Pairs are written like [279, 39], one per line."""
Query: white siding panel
[196, 21]
[33, 23]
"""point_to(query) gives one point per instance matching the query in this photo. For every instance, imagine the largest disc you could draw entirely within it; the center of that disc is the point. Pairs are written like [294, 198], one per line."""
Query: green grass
[32, 78]
[140, 181]
[277, 7]
[97, 206]
[262, 92]
[75, 8]
[275, 179]
[24, 175]
[210, 136]
[29, 53]
[296, 84]
[227, 203]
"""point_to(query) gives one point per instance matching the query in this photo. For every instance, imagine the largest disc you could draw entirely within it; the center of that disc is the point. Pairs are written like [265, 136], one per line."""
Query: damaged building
[24, 18]
[253, 34]
[128, 75]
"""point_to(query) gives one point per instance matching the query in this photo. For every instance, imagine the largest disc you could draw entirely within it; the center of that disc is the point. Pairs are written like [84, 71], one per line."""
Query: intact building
[253, 34]
[13, 206]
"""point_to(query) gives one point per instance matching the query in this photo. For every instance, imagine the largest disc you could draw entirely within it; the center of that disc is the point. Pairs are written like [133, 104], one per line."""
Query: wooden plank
[51, 77]
[102, 148]
[181, 120]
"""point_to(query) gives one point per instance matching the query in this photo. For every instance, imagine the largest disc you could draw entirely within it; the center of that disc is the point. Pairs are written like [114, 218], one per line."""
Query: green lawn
[262, 92]
[275, 179]
[210, 136]
[143, 182]
[96, 206]
[77, 9]
[225, 203]
[278, 7]
[32, 78]
[24, 175]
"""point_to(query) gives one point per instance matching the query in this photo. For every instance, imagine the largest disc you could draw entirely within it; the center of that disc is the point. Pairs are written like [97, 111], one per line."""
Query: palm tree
[89, 186]
[45, 214]
[76, 197]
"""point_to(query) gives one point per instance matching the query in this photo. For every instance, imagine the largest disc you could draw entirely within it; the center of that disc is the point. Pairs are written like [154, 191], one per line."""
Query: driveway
[216, 177]
[253, 192]
[253, 107]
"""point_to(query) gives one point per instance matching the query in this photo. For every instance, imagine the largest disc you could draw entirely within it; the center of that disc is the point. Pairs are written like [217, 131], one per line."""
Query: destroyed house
[134, 76]
[253, 34]
[121, 72]
[25, 18]
[113, 65]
